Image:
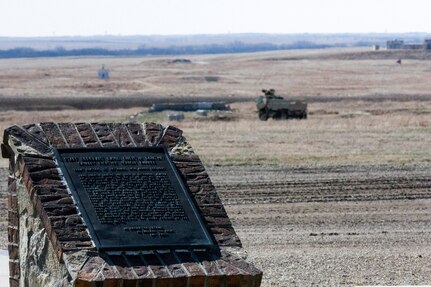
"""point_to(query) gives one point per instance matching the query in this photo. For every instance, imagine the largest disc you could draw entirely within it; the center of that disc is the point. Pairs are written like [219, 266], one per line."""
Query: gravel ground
[325, 226]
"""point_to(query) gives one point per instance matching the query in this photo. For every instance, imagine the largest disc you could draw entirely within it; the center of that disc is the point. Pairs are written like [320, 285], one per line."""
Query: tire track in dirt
[331, 226]
[261, 185]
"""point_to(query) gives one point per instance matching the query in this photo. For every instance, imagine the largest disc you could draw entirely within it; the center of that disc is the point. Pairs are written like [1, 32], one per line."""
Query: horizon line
[213, 34]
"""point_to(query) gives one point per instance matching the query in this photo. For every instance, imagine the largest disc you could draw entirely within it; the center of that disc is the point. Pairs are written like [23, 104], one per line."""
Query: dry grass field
[342, 198]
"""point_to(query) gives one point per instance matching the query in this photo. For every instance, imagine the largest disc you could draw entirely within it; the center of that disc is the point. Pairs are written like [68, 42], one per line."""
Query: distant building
[413, 46]
[395, 44]
[399, 44]
[376, 47]
[103, 73]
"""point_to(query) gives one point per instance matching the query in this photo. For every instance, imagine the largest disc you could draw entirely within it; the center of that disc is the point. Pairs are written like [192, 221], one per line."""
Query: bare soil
[332, 226]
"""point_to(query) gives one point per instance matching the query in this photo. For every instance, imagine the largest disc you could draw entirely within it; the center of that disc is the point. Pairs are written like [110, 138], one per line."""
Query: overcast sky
[148, 17]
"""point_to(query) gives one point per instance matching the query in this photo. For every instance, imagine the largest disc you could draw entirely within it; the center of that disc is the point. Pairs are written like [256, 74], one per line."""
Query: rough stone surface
[54, 246]
[39, 264]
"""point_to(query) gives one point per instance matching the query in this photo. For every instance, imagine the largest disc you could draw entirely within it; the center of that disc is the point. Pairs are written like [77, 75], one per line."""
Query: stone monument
[110, 204]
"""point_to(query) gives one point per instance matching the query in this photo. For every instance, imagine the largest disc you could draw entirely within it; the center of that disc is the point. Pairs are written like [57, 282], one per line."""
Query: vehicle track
[332, 226]
[262, 185]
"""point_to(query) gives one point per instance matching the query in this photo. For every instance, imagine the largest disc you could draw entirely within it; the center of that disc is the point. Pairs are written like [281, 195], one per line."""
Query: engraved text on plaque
[132, 198]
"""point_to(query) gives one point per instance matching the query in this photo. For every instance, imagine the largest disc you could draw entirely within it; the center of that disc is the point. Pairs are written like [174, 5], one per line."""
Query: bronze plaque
[133, 198]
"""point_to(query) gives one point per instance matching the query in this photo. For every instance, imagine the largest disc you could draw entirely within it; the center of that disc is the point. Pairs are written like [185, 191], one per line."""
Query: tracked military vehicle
[271, 106]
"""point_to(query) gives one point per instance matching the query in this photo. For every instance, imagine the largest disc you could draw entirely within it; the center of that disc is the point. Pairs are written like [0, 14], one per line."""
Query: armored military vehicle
[276, 107]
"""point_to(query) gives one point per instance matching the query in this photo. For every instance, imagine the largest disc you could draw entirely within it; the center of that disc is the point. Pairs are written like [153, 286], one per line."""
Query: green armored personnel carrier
[276, 107]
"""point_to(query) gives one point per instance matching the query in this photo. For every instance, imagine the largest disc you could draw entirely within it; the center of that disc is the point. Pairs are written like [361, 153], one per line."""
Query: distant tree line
[234, 47]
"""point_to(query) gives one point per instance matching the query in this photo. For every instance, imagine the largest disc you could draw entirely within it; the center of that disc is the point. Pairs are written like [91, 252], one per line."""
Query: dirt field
[332, 226]
[342, 198]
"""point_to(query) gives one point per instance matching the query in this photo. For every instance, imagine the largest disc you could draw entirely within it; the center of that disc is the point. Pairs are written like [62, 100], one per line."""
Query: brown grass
[361, 110]
[304, 73]
[350, 137]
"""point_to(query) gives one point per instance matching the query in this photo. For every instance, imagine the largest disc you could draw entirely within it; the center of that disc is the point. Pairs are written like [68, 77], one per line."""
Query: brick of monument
[173, 132]
[87, 134]
[46, 219]
[215, 276]
[13, 218]
[52, 220]
[137, 134]
[36, 131]
[72, 234]
[207, 198]
[139, 267]
[174, 266]
[53, 135]
[29, 140]
[157, 267]
[153, 133]
[13, 251]
[5, 153]
[208, 263]
[218, 221]
[171, 136]
[122, 267]
[197, 180]
[121, 135]
[13, 268]
[129, 283]
[66, 246]
[227, 268]
[227, 239]
[13, 282]
[213, 210]
[60, 209]
[13, 234]
[36, 163]
[198, 177]
[12, 202]
[104, 135]
[188, 163]
[194, 170]
[71, 135]
[10, 179]
[62, 202]
[206, 188]
[91, 269]
[72, 221]
[240, 264]
[44, 177]
[11, 189]
[193, 268]
[53, 198]
[50, 190]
